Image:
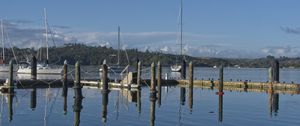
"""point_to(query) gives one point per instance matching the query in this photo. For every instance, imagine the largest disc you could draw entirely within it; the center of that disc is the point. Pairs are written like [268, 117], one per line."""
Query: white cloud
[167, 42]
[164, 49]
[281, 51]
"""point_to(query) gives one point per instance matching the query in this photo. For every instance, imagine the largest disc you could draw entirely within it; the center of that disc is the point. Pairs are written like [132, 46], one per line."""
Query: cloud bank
[194, 44]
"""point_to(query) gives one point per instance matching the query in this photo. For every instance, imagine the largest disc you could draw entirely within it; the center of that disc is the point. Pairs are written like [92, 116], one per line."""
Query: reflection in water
[77, 109]
[65, 104]
[175, 75]
[33, 99]
[273, 103]
[220, 108]
[77, 103]
[182, 95]
[191, 98]
[104, 105]
[10, 106]
[138, 101]
[152, 110]
[159, 96]
[65, 96]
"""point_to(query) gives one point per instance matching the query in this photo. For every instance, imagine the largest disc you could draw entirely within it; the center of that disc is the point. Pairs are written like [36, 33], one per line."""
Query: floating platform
[246, 86]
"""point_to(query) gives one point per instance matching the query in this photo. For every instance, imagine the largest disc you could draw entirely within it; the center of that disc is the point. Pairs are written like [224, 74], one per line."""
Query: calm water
[124, 107]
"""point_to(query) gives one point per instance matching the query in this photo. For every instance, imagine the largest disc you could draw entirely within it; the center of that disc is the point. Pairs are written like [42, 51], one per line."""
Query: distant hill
[91, 55]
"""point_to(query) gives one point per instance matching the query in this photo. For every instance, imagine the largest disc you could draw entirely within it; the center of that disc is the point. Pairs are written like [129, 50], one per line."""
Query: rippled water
[176, 107]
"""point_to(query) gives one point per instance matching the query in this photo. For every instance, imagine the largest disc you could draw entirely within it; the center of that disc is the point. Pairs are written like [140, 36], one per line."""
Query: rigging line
[8, 39]
[55, 98]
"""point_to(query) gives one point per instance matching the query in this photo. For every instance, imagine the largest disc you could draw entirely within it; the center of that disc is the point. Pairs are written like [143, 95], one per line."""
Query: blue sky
[231, 28]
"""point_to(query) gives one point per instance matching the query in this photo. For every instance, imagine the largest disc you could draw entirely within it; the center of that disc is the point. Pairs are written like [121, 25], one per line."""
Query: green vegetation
[91, 55]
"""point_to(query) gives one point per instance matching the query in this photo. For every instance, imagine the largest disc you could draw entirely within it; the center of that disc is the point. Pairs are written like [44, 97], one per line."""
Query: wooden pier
[134, 80]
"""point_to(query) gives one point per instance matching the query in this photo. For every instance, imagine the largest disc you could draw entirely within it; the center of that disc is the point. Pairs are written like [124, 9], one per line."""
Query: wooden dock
[245, 86]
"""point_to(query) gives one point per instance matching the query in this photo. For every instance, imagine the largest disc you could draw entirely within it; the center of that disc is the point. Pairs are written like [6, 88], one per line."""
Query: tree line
[95, 55]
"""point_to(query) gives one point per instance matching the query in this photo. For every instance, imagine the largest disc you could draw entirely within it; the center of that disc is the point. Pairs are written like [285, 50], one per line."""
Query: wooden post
[158, 74]
[271, 75]
[183, 69]
[33, 68]
[159, 84]
[191, 85]
[77, 85]
[139, 74]
[11, 79]
[221, 80]
[65, 79]
[191, 74]
[153, 82]
[276, 71]
[104, 77]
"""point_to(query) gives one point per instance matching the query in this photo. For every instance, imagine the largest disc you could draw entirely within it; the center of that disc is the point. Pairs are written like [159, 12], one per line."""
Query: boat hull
[5, 68]
[40, 71]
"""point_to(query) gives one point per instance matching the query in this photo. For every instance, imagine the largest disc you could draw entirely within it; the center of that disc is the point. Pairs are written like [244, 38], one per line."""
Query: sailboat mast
[46, 32]
[181, 44]
[118, 46]
[2, 40]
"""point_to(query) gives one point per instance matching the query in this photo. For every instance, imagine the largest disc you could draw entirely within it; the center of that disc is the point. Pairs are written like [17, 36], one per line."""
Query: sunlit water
[176, 108]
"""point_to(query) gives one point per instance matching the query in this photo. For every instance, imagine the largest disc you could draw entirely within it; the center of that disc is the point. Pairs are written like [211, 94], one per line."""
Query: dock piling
[221, 80]
[139, 74]
[191, 85]
[159, 84]
[276, 71]
[65, 79]
[77, 85]
[158, 74]
[153, 82]
[271, 80]
[104, 77]
[183, 69]
[11, 79]
[33, 68]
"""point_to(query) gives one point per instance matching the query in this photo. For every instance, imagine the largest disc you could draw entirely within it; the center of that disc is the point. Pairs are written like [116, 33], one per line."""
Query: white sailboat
[177, 67]
[41, 68]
